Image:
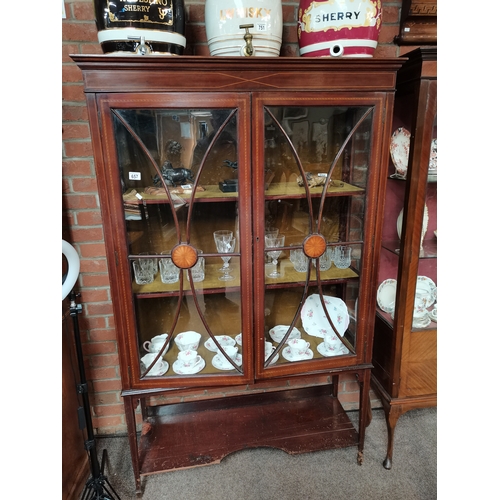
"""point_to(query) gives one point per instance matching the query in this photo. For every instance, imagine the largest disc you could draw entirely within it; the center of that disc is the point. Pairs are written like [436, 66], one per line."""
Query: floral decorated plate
[433, 159]
[426, 285]
[400, 150]
[223, 341]
[386, 295]
[180, 369]
[425, 223]
[315, 320]
[238, 339]
[324, 351]
[278, 332]
[161, 371]
[222, 364]
[287, 354]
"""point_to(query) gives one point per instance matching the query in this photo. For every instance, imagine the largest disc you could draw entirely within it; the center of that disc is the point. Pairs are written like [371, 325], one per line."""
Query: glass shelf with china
[396, 227]
[316, 175]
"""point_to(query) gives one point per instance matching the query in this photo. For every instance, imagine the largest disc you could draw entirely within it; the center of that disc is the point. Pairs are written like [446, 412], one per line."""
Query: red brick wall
[80, 201]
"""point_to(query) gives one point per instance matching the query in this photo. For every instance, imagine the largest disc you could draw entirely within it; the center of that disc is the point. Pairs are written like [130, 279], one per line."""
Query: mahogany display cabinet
[405, 342]
[241, 204]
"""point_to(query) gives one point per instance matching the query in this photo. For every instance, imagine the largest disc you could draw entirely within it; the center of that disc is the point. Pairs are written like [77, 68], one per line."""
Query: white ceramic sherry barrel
[244, 27]
[141, 26]
[339, 28]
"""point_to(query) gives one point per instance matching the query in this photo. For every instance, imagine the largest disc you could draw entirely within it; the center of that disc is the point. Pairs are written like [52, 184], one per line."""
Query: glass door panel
[316, 175]
[179, 178]
[425, 303]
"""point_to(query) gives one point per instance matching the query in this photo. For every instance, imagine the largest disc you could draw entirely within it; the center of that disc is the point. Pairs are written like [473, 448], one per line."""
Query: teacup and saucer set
[297, 350]
[159, 368]
[221, 363]
[332, 346]
[188, 362]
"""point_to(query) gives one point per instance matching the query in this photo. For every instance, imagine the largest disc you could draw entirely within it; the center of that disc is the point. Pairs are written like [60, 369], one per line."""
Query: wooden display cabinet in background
[405, 354]
[261, 124]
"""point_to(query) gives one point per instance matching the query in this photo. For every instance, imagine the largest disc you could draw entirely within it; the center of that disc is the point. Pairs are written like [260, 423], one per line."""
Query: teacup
[188, 340]
[332, 342]
[298, 347]
[434, 313]
[149, 358]
[156, 344]
[189, 358]
[230, 350]
[268, 349]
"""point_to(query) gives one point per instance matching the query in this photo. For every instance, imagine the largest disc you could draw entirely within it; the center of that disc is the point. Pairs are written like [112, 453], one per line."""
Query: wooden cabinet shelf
[217, 428]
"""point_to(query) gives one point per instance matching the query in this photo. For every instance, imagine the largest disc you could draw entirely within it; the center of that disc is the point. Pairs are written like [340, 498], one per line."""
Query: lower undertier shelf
[192, 434]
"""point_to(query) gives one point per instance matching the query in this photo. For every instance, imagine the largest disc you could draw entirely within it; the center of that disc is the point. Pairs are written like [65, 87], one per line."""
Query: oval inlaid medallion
[315, 246]
[184, 256]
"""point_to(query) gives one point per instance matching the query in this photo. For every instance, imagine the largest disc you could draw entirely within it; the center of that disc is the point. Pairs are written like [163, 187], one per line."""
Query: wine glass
[225, 243]
[270, 231]
[274, 242]
[222, 236]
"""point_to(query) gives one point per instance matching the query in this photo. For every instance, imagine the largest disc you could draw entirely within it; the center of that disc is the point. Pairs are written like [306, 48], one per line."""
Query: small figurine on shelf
[313, 180]
[173, 176]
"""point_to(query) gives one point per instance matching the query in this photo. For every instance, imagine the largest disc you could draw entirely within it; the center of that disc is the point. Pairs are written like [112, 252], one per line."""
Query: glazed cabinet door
[405, 345]
[315, 220]
[175, 177]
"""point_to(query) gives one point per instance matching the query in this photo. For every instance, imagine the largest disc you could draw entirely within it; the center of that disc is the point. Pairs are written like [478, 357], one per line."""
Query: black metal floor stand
[97, 487]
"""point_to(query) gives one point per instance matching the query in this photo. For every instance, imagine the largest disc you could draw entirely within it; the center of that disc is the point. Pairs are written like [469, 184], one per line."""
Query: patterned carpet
[270, 474]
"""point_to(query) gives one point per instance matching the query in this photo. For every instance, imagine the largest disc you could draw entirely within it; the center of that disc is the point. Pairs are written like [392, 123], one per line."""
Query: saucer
[159, 373]
[222, 339]
[274, 359]
[238, 339]
[425, 284]
[386, 295]
[336, 352]
[288, 355]
[278, 332]
[425, 323]
[182, 370]
[222, 364]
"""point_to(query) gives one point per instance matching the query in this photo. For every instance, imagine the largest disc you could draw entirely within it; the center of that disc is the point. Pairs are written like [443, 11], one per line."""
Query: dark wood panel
[75, 464]
[194, 434]
[105, 73]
